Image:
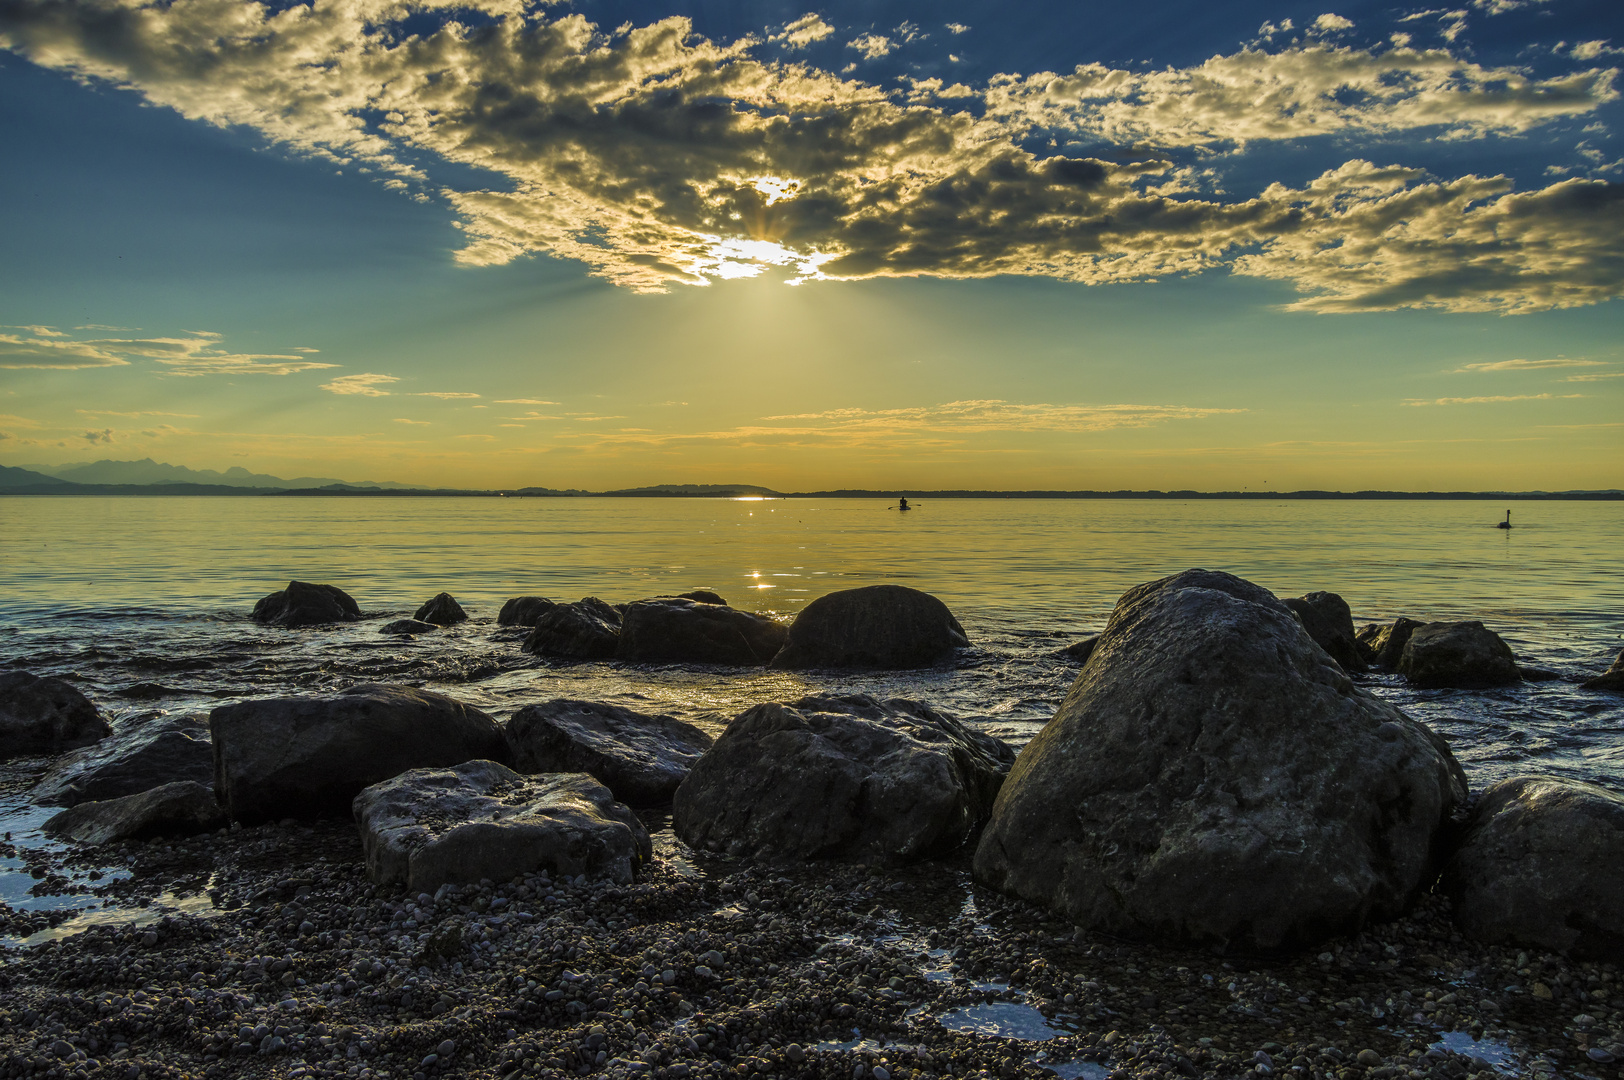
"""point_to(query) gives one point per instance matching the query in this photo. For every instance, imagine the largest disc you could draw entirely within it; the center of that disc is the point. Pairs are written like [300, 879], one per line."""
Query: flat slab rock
[161, 751]
[878, 626]
[1214, 777]
[181, 808]
[1542, 864]
[641, 757]
[45, 716]
[842, 777]
[429, 827]
[308, 757]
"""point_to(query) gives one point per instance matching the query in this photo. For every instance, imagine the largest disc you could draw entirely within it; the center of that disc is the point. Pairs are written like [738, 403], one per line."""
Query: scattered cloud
[997, 415]
[1595, 376]
[132, 415]
[524, 401]
[447, 395]
[1330, 23]
[803, 32]
[366, 384]
[956, 28]
[1529, 365]
[104, 436]
[1500, 7]
[872, 46]
[642, 155]
[415, 423]
[1492, 399]
[197, 353]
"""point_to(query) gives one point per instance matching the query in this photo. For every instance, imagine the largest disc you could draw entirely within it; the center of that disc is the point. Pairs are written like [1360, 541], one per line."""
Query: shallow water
[144, 602]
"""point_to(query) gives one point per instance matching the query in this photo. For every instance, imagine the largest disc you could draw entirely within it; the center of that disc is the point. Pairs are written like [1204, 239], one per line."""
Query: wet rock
[1078, 652]
[696, 632]
[880, 626]
[304, 604]
[523, 610]
[1461, 654]
[178, 809]
[162, 751]
[429, 827]
[1611, 679]
[44, 716]
[1542, 863]
[404, 627]
[702, 596]
[641, 757]
[588, 629]
[443, 610]
[1326, 617]
[1212, 777]
[846, 777]
[1382, 644]
[308, 757]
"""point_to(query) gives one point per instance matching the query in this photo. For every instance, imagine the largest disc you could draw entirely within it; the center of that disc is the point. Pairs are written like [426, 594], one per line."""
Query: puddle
[1492, 1052]
[1007, 1019]
[167, 903]
[20, 824]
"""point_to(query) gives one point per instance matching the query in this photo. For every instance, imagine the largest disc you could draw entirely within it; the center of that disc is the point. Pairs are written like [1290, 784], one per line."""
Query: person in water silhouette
[903, 505]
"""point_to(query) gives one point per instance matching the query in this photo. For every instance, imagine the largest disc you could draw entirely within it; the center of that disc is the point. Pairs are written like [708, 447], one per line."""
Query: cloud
[418, 423]
[132, 415]
[1529, 365]
[872, 46]
[1595, 376]
[658, 157]
[524, 401]
[998, 415]
[1330, 23]
[1493, 399]
[956, 28]
[1591, 50]
[803, 32]
[94, 437]
[197, 353]
[448, 395]
[364, 385]
[1500, 7]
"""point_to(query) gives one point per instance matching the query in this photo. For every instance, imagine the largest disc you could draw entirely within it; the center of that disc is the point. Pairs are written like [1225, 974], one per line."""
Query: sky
[494, 243]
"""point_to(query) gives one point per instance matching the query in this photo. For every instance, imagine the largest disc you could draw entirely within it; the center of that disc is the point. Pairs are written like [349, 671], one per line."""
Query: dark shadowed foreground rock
[1542, 863]
[1382, 644]
[178, 809]
[880, 626]
[1464, 654]
[1326, 617]
[692, 631]
[406, 627]
[308, 757]
[443, 610]
[479, 820]
[161, 751]
[844, 777]
[641, 757]
[304, 604]
[1611, 679]
[44, 716]
[1078, 652]
[523, 610]
[704, 596]
[588, 629]
[1213, 777]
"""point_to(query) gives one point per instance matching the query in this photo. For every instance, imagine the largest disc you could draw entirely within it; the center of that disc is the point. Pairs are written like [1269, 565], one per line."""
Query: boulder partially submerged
[45, 716]
[695, 631]
[181, 808]
[1213, 776]
[1611, 679]
[1542, 864]
[878, 626]
[641, 757]
[1329, 621]
[843, 777]
[1382, 644]
[1458, 654]
[442, 610]
[304, 604]
[166, 750]
[431, 827]
[523, 610]
[407, 628]
[588, 629]
[308, 757]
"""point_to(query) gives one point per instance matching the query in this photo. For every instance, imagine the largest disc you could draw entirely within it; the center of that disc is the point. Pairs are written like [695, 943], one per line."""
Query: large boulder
[1212, 776]
[308, 757]
[1464, 654]
[1542, 864]
[304, 604]
[431, 827]
[642, 757]
[588, 629]
[523, 610]
[843, 777]
[879, 626]
[1611, 679]
[44, 716]
[442, 610]
[1382, 644]
[163, 751]
[181, 808]
[1326, 617]
[675, 628]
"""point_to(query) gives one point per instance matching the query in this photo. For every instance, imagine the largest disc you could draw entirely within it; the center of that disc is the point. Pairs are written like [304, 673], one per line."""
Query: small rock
[405, 627]
[443, 610]
[1369, 1059]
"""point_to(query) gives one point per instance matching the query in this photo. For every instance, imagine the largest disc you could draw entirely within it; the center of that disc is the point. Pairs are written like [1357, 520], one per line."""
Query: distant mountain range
[148, 477]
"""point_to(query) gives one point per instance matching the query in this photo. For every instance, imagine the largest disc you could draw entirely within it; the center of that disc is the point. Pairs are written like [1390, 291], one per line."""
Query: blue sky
[887, 245]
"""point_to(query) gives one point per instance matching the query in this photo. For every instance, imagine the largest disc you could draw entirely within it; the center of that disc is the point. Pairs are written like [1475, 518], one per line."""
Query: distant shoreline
[719, 492]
